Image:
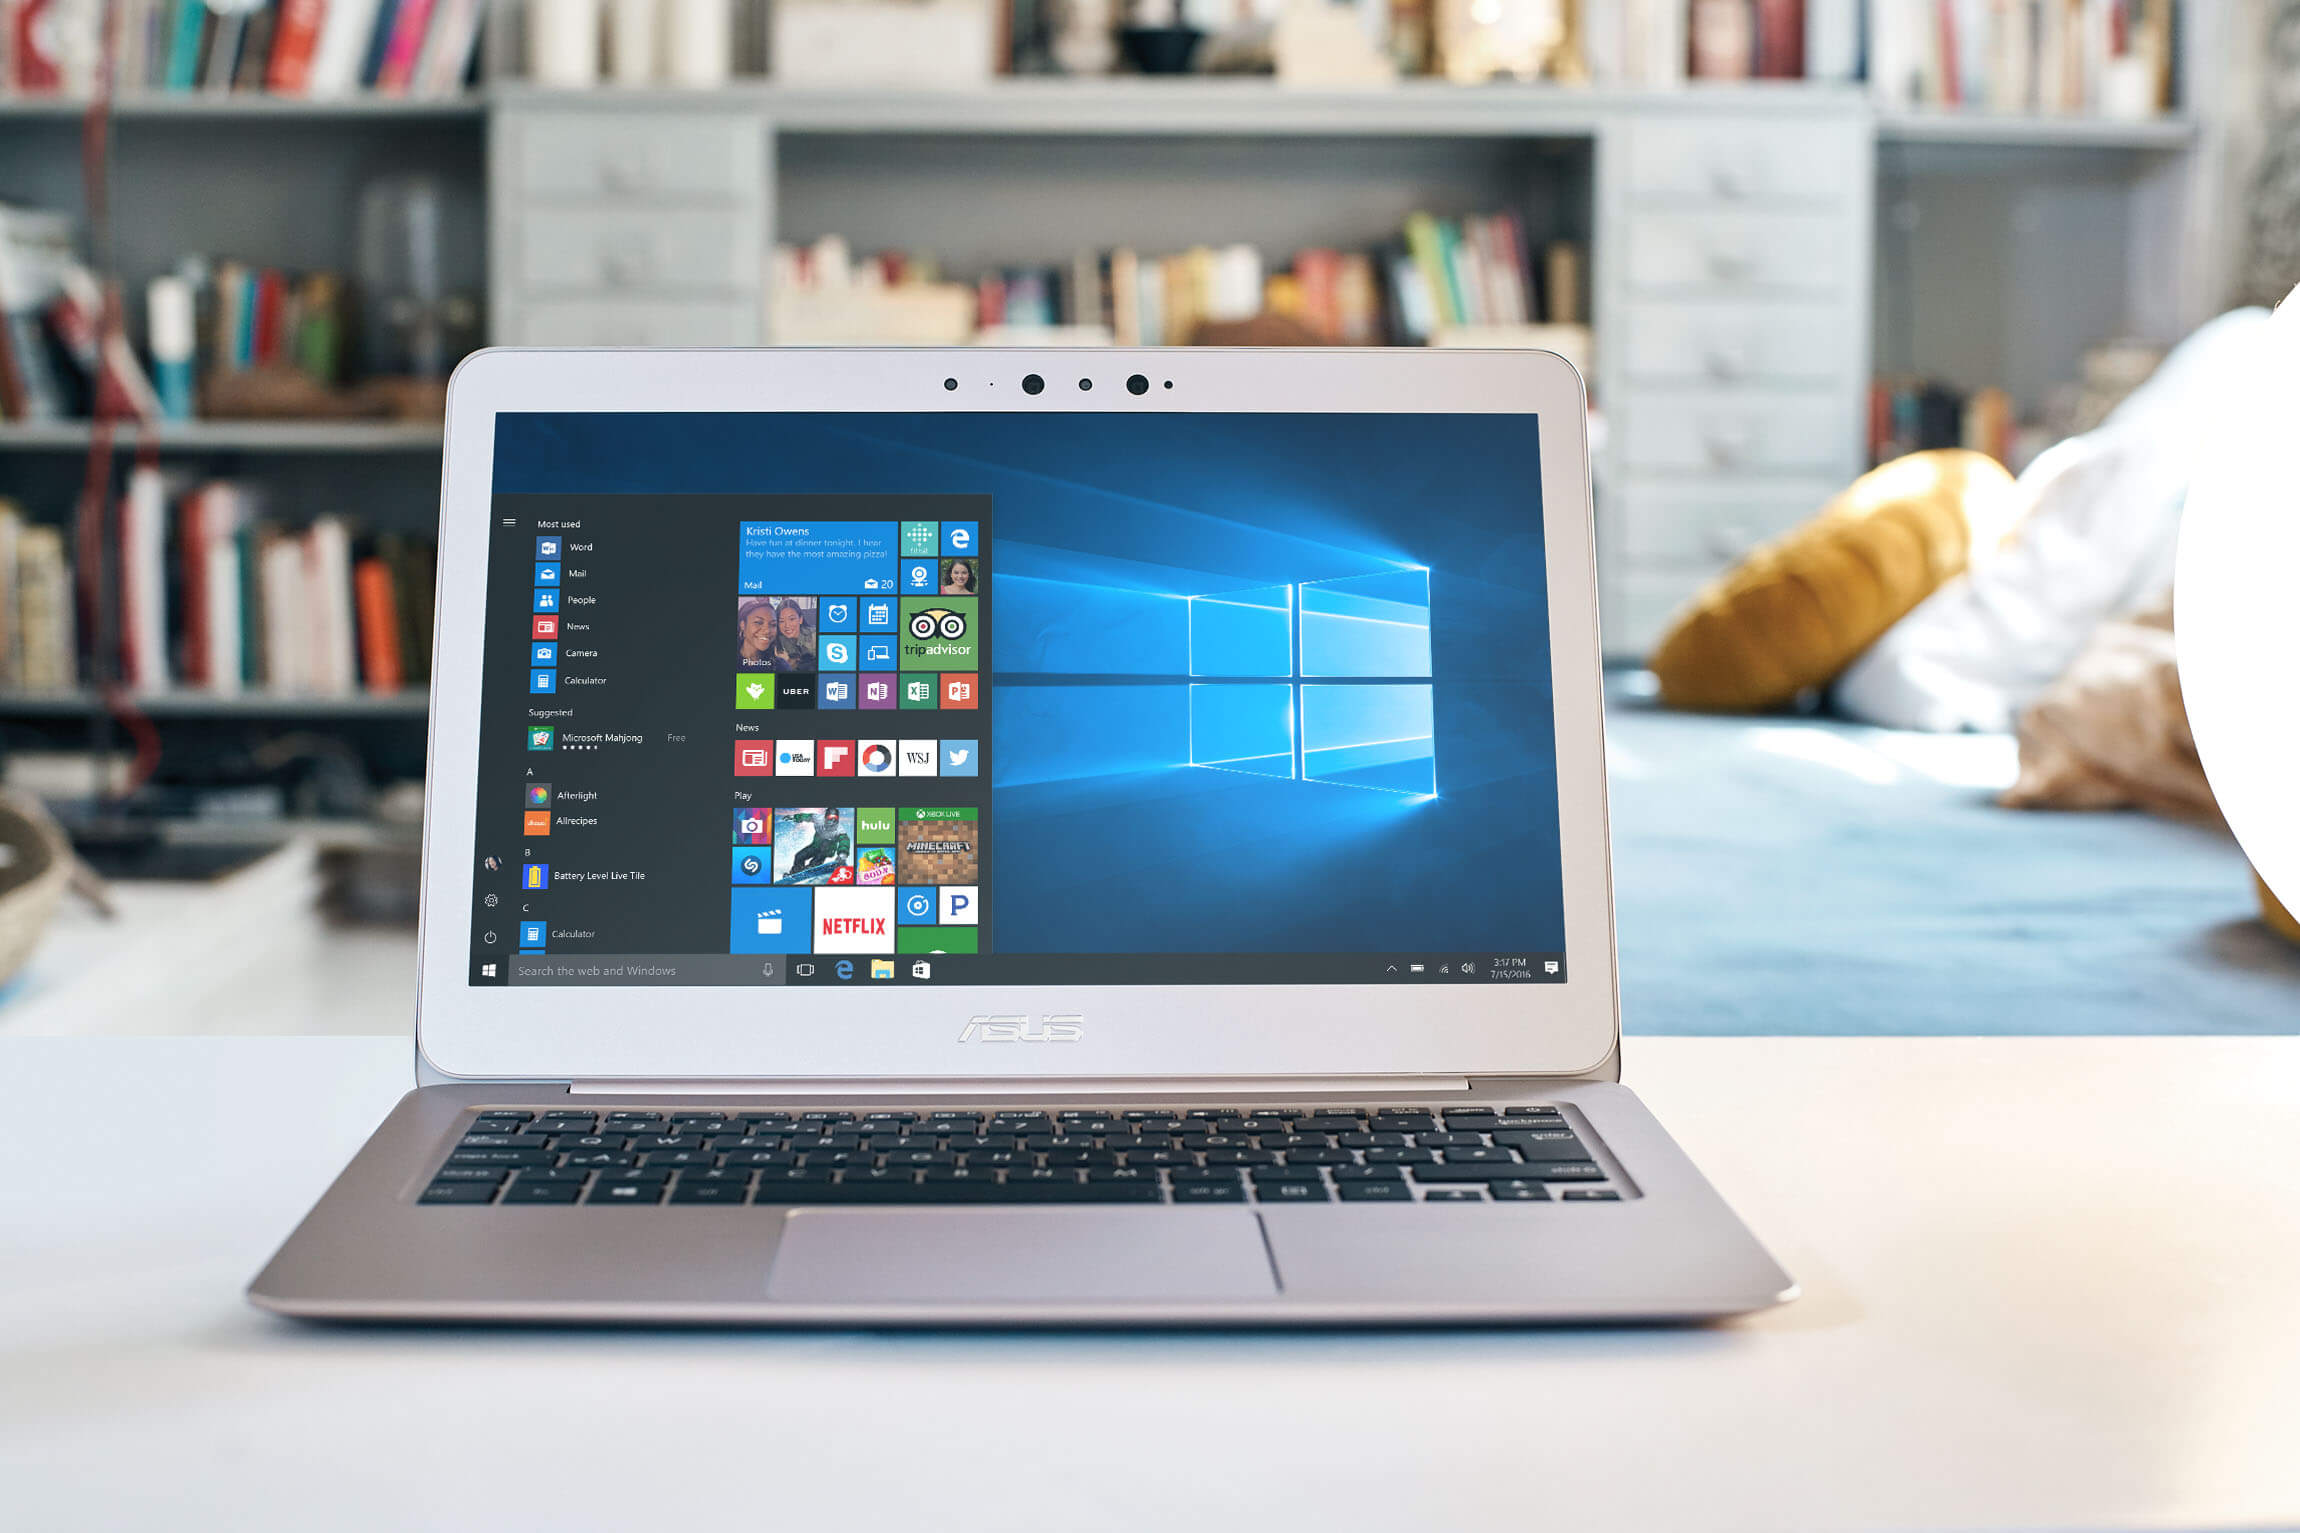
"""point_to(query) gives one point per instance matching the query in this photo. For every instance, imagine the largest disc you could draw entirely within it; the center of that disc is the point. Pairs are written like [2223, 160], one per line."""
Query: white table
[2048, 1283]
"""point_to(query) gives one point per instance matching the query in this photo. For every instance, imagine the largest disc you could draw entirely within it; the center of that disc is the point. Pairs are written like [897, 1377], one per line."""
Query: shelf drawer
[1732, 434]
[1708, 526]
[687, 248]
[1698, 160]
[1723, 254]
[1738, 344]
[672, 156]
[636, 322]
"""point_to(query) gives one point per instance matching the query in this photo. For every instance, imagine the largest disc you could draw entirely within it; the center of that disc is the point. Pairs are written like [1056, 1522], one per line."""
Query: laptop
[988, 837]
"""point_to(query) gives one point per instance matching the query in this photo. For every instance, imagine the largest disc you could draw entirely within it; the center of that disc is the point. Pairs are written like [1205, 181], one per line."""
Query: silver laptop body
[1167, 879]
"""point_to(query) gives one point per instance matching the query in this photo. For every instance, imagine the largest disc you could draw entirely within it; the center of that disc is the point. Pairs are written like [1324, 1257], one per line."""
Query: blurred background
[243, 242]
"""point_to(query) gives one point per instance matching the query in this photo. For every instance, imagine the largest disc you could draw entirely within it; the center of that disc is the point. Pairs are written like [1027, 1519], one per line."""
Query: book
[295, 40]
[1780, 52]
[406, 45]
[1428, 251]
[144, 581]
[11, 648]
[287, 627]
[378, 609]
[340, 49]
[256, 49]
[327, 572]
[377, 44]
[37, 63]
[48, 651]
[450, 47]
[220, 58]
[191, 19]
[1561, 283]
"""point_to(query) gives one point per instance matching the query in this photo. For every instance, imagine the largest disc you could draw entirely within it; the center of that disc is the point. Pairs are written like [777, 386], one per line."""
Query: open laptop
[1017, 837]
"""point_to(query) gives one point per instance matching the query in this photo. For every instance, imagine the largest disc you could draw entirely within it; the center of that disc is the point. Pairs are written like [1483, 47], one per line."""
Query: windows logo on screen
[1326, 681]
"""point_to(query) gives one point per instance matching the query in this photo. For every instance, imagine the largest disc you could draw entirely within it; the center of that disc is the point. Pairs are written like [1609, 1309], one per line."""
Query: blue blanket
[1793, 875]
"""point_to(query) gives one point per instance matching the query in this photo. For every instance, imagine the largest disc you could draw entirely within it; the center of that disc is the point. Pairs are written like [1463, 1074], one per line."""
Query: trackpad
[990, 1255]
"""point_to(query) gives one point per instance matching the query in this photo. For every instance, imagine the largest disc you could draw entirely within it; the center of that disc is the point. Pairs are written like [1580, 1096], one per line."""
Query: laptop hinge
[947, 1089]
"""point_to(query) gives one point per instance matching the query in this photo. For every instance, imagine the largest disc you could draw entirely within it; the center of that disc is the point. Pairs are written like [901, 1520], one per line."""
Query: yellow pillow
[1801, 608]
[2272, 912]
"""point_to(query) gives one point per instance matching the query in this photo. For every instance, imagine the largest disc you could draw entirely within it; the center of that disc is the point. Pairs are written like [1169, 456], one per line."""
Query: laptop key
[1373, 1192]
[1542, 1144]
[1290, 1192]
[488, 1174]
[1519, 1192]
[1479, 1155]
[503, 1141]
[1454, 1195]
[711, 1192]
[543, 1192]
[1209, 1192]
[1591, 1195]
[626, 1192]
[1344, 1174]
[535, 1175]
[1509, 1172]
[499, 1158]
[458, 1192]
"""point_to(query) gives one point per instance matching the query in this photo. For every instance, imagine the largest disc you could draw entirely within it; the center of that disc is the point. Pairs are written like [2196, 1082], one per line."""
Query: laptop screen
[1016, 699]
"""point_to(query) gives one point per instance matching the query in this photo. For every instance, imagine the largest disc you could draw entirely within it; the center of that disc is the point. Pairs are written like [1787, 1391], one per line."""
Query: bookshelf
[568, 207]
[250, 436]
[180, 704]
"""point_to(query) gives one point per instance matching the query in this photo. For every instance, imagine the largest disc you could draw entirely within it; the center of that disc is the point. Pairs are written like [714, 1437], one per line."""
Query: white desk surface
[2049, 1283]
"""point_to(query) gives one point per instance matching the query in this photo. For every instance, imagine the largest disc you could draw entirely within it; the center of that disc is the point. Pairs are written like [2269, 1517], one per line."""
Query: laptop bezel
[915, 1033]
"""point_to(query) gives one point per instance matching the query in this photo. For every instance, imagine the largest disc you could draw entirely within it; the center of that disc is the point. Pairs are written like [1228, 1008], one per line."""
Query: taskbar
[929, 967]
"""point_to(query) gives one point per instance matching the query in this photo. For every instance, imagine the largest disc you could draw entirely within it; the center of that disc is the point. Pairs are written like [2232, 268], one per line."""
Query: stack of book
[1914, 415]
[1438, 276]
[54, 363]
[38, 649]
[213, 597]
[2109, 58]
[284, 47]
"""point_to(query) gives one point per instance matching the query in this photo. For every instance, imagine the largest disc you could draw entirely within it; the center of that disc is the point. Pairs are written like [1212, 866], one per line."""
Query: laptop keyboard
[1512, 1154]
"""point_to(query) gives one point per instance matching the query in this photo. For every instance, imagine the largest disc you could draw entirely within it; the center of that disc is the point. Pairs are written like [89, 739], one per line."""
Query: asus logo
[1063, 1027]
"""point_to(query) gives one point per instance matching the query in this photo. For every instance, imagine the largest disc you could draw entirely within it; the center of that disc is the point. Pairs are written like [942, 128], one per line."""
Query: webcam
[1033, 384]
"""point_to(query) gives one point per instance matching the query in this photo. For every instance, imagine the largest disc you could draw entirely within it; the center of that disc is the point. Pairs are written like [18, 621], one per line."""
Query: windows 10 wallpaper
[1256, 683]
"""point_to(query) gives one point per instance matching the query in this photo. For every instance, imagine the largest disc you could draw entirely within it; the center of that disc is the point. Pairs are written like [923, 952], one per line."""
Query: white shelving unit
[1737, 234]
[264, 436]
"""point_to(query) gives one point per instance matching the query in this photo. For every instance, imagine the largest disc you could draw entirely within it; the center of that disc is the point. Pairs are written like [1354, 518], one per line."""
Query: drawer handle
[624, 170]
[625, 268]
[1728, 446]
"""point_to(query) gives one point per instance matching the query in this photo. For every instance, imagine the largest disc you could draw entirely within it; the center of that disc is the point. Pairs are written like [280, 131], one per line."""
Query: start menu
[845, 783]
